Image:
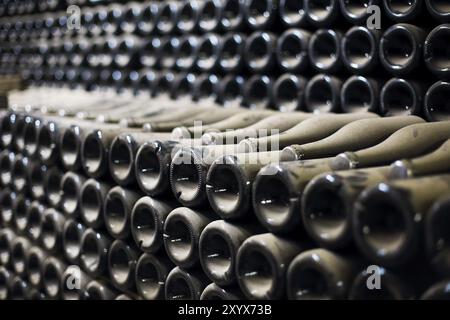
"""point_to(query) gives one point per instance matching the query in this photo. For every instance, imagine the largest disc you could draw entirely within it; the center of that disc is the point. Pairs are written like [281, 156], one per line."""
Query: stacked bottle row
[297, 212]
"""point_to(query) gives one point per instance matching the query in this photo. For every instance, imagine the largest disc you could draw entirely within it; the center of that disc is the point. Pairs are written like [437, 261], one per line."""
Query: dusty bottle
[327, 203]
[208, 53]
[399, 12]
[261, 14]
[322, 94]
[117, 209]
[261, 265]
[324, 50]
[436, 240]
[71, 185]
[292, 50]
[316, 128]
[52, 272]
[182, 229]
[408, 142]
[435, 49]
[98, 291]
[401, 48]
[94, 252]
[52, 187]
[210, 14]
[122, 259]
[233, 15]
[292, 13]
[260, 51]
[36, 178]
[277, 189]
[92, 197]
[388, 218]
[257, 92]
[278, 123]
[151, 274]
[320, 274]
[360, 94]
[436, 102]
[401, 97]
[438, 10]
[52, 230]
[71, 240]
[214, 292]
[288, 93]
[356, 135]
[185, 285]
[432, 163]
[321, 14]
[147, 223]
[360, 47]
[356, 12]
[218, 246]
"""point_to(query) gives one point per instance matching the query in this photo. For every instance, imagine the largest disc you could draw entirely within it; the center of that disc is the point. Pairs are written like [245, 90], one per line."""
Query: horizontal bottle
[71, 276]
[320, 274]
[438, 10]
[182, 229]
[218, 246]
[393, 287]
[20, 247]
[257, 92]
[34, 220]
[260, 51]
[360, 94]
[92, 196]
[356, 13]
[52, 230]
[122, 259]
[278, 123]
[324, 50]
[210, 14]
[408, 142]
[288, 93]
[434, 162]
[261, 15]
[7, 200]
[19, 174]
[147, 223]
[401, 48]
[231, 58]
[71, 185]
[261, 265]
[94, 252]
[208, 53]
[316, 128]
[147, 19]
[186, 55]
[360, 49]
[19, 289]
[322, 94]
[388, 218]
[6, 238]
[233, 15]
[52, 186]
[96, 290]
[327, 203]
[52, 272]
[71, 240]
[436, 240]
[35, 261]
[36, 179]
[400, 12]
[292, 50]
[188, 16]
[214, 292]
[185, 284]
[354, 136]
[151, 274]
[5, 283]
[435, 105]
[20, 208]
[277, 189]
[434, 51]
[166, 18]
[322, 14]
[118, 205]
[6, 162]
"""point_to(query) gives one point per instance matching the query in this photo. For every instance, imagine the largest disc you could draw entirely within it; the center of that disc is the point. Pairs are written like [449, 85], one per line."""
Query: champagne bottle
[292, 13]
[182, 229]
[52, 230]
[94, 252]
[360, 94]
[92, 196]
[327, 203]
[322, 94]
[288, 92]
[292, 50]
[436, 107]
[320, 274]
[52, 272]
[71, 185]
[147, 223]
[261, 265]
[96, 290]
[122, 259]
[151, 275]
[322, 14]
[388, 218]
[185, 284]
[35, 261]
[214, 292]
[413, 140]
[437, 291]
[309, 130]
[401, 97]
[71, 240]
